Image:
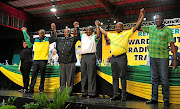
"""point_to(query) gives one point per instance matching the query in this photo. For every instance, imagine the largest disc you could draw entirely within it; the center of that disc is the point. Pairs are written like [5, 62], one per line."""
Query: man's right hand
[23, 28]
[19, 70]
[97, 22]
[142, 11]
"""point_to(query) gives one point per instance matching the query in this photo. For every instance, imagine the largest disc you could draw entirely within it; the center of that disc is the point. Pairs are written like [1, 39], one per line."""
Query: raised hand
[53, 26]
[23, 28]
[76, 24]
[142, 11]
[97, 22]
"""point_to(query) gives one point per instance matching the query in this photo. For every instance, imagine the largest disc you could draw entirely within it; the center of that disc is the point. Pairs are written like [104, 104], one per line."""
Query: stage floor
[133, 102]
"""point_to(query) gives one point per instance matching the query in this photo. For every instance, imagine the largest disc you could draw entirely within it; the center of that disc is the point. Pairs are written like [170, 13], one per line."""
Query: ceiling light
[154, 17]
[144, 18]
[101, 23]
[114, 21]
[53, 9]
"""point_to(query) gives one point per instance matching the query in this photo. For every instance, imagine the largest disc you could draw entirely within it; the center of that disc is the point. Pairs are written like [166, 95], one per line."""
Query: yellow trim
[49, 85]
[144, 90]
[19, 65]
[77, 78]
[136, 88]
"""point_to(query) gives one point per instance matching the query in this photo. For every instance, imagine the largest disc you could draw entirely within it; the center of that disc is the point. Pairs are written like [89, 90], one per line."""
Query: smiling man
[88, 62]
[159, 38]
[119, 43]
[67, 59]
[41, 53]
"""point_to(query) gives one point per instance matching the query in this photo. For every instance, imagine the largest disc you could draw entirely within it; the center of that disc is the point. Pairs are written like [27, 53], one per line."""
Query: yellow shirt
[41, 51]
[119, 41]
[41, 47]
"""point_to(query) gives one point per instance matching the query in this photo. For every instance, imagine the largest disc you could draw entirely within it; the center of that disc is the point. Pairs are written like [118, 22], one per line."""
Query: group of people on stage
[159, 38]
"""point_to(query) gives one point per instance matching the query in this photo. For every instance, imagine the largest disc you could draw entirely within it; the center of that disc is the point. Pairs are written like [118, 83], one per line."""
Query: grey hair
[68, 29]
[120, 23]
[91, 27]
[42, 30]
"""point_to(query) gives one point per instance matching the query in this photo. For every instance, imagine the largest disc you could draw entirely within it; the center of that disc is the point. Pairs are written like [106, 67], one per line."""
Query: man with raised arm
[88, 62]
[159, 38]
[119, 43]
[41, 52]
[67, 58]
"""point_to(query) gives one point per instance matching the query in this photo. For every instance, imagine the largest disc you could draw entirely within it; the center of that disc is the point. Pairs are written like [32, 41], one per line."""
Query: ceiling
[69, 10]
[72, 8]
[86, 11]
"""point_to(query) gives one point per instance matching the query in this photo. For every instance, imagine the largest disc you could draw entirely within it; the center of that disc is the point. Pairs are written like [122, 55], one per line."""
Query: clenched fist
[23, 28]
[53, 26]
[76, 24]
[97, 22]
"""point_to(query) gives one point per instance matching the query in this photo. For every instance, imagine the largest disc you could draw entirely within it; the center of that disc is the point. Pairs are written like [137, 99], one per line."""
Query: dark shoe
[115, 97]
[152, 102]
[84, 95]
[166, 103]
[123, 99]
[92, 96]
[30, 91]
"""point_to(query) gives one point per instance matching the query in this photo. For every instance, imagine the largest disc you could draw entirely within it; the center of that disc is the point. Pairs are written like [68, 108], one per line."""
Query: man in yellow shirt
[41, 53]
[119, 43]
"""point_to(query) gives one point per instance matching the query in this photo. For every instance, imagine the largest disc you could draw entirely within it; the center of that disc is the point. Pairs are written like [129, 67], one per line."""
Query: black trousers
[88, 74]
[25, 70]
[38, 65]
[119, 68]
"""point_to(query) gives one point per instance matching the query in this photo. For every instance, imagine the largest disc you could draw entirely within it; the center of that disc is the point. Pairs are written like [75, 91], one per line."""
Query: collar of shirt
[43, 38]
[68, 37]
[119, 32]
[162, 27]
[89, 35]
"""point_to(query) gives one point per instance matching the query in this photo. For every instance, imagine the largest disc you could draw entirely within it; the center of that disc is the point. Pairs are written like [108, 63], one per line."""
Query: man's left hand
[76, 24]
[53, 26]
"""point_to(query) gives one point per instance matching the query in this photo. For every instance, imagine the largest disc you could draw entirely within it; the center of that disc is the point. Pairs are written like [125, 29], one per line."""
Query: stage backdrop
[137, 48]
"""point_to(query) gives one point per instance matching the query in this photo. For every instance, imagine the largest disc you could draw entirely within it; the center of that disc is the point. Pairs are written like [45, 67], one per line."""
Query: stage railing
[168, 22]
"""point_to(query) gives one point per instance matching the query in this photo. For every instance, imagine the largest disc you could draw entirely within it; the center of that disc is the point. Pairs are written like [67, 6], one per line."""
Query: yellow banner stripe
[144, 90]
